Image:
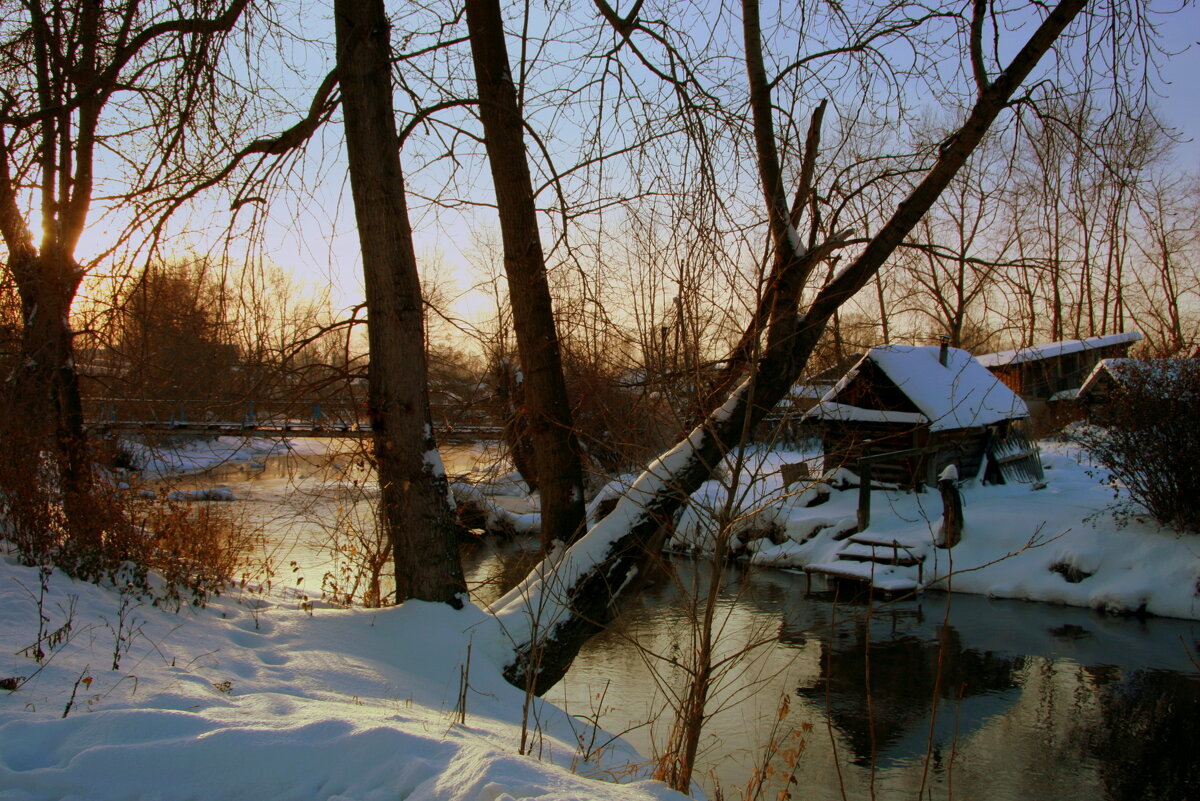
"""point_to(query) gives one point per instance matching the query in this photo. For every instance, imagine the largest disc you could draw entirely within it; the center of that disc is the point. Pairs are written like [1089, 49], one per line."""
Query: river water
[946, 697]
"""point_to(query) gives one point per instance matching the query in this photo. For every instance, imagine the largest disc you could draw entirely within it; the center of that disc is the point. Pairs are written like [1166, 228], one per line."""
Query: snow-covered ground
[1060, 543]
[260, 695]
[256, 696]
[195, 454]
[252, 697]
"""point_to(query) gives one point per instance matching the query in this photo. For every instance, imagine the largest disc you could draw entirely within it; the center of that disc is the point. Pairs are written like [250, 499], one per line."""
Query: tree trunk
[45, 416]
[555, 445]
[415, 495]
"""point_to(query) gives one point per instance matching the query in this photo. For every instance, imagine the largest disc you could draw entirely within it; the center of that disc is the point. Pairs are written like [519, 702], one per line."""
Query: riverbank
[262, 694]
[1071, 540]
[1061, 543]
[266, 693]
[253, 697]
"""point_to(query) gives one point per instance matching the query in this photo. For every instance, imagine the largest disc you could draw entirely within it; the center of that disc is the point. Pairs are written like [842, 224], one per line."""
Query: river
[947, 697]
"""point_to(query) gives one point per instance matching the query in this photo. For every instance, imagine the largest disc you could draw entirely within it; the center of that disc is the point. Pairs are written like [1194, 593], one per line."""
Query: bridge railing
[246, 413]
[286, 418]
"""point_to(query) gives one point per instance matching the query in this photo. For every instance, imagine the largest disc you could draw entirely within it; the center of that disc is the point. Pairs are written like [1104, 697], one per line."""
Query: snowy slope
[1058, 544]
[255, 698]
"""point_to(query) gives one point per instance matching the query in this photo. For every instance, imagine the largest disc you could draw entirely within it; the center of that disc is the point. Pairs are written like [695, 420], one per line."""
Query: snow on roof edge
[832, 410]
[1049, 350]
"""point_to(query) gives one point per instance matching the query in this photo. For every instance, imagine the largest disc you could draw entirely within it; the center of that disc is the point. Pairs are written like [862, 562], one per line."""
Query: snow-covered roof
[960, 394]
[1163, 372]
[1051, 350]
[831, 410]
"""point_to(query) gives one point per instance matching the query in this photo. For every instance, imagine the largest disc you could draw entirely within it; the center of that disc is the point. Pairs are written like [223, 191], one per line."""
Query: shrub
[193, 550]
[1147, 437]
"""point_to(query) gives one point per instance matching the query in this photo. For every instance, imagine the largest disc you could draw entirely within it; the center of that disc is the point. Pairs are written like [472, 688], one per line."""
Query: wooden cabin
[1040, 371]
[1048, 376]
[912, 411]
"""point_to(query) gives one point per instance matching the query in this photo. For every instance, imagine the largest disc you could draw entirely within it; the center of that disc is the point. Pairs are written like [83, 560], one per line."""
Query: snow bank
[191, 454]
[255, 698]
[207, 494]
[1060, 544]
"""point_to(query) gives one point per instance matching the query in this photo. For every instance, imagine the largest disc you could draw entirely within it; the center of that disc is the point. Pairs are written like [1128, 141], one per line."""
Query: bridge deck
[277, 429]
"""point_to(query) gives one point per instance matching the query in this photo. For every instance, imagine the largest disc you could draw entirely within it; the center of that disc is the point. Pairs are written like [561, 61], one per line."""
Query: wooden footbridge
[301, 418]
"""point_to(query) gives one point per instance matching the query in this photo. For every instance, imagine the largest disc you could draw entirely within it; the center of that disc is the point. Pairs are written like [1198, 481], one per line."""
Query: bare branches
[808, 167]
[622, 25]
[951, 157]
[978, 68]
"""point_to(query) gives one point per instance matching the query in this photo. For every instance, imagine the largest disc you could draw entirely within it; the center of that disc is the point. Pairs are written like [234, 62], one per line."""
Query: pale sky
[1179, 106]
[314, 238]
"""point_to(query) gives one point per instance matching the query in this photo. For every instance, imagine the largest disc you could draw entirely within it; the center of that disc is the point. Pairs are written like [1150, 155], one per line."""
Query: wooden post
[864, 495]
[952, 515]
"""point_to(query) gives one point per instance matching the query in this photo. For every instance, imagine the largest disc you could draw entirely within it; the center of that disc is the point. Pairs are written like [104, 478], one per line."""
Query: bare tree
[565, 600]
[68, 70]
[555, 444]
[412, 480]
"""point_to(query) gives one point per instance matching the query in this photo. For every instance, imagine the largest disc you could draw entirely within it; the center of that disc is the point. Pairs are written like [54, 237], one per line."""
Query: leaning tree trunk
[555, 444]
[569, 598]
[415, 495]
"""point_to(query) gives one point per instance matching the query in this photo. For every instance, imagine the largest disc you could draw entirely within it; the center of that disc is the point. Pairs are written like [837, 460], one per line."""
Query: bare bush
[191, 550]
[1147, 439]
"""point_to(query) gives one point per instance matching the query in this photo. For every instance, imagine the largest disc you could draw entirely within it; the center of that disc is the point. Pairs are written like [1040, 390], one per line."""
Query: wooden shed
[1039, 372]
[913, 411]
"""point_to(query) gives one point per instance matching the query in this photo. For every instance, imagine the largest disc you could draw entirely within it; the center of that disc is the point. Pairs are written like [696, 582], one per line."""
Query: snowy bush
[1148, 438]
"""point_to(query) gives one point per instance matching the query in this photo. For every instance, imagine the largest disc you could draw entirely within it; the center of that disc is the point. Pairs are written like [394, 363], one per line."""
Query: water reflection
[882, 694]
[949, 696]
[1147, 744]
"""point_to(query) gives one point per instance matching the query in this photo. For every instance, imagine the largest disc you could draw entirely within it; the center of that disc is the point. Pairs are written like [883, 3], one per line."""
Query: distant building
[1048, 376]
[913, 411]
[1164, 377]
[1039, 372]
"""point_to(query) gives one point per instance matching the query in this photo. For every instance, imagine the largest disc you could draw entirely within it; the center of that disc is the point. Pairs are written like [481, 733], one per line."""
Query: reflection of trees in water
[875, 702]
[1148, 747]
[495, 566]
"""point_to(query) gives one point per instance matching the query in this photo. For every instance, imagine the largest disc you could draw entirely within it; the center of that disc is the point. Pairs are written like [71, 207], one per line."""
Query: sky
[311, 232]
[333, 256]
[1181, 94]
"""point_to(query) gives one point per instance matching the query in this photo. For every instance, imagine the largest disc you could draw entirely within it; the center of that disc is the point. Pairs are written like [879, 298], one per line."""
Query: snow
[196, 454]
[1165, 373]
[253, 697]
[263, 695]
[1051, 350]
[208, 494]
[831, 410]
[958, 394]
[1017, 541]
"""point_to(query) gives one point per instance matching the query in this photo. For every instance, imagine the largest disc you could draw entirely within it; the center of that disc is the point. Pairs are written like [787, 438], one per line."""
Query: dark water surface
[941, 697]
